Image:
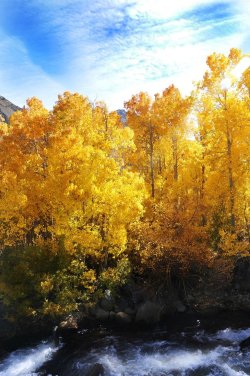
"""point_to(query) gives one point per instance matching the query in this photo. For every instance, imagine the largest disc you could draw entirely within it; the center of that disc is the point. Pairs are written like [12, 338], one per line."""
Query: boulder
[69, 323]
[149, 313]
[65, 328]
[129, 311]
[140, 295]
[101, 314]
[123, 317]
[121, 305]
[112, 315]
[107, 304]
[179, 306]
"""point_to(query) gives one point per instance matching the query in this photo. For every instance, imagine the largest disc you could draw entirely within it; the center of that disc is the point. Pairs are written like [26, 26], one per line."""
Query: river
[190, 346]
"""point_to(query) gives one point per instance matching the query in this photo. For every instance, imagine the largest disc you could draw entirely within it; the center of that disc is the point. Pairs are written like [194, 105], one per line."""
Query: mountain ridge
[7, 108]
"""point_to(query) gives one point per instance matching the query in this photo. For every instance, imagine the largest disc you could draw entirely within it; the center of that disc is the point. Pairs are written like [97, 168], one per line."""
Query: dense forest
[88, 200]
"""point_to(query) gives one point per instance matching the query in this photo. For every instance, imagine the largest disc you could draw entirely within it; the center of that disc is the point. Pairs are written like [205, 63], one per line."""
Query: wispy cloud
[20, 78]
[111, 49]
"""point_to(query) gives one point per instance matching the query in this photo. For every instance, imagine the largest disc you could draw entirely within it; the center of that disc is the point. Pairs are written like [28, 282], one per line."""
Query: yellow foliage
[67, 179]
[231, 246]
[76, 178]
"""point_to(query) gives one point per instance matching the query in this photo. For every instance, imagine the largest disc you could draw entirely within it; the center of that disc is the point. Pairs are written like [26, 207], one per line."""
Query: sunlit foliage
[85, 199]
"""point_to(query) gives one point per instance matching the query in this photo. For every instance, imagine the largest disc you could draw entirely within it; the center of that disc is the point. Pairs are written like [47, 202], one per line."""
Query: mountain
[123, 116]
[7, 108]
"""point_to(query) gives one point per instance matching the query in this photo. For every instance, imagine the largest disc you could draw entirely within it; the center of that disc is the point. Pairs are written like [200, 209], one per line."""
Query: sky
[111, 49]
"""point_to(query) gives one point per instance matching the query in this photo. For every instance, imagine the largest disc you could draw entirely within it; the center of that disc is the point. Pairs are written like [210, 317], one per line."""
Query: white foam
[232, 335]
[145, 358]
[177, 360]
[232, 372]
[27, 361]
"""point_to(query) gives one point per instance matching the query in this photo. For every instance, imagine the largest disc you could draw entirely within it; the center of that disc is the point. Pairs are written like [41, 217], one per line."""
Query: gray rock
[7, 108]
[190, 297]
[65, 328]
[149, 313]
[129, 311]
[122, 304]
[107, 304]
[123, 115]
[139, 295]
[69, 323]
[123, 318]
[101, 314]
[180, 308]
[112, 315]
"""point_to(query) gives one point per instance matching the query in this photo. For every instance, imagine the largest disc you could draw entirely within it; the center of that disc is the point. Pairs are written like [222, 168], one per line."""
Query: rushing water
[186, 350]
[26, 361]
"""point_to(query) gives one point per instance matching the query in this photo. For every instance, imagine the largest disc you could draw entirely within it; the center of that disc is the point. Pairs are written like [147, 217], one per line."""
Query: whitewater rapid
[222, 357]
[26, 361]
[193, 352]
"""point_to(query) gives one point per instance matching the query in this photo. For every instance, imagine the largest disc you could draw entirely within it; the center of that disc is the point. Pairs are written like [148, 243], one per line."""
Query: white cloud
[113, 49]
[167, 9]
[241, 67]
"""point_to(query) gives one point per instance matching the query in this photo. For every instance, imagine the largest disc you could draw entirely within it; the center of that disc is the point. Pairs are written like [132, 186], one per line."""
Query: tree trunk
[175, 157]
[203, 217]
[151, 153]
[230, 178]
[246, 222]
[230, 168]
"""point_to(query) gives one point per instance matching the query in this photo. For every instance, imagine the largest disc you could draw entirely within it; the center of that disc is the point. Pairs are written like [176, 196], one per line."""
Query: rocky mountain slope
[7, 108]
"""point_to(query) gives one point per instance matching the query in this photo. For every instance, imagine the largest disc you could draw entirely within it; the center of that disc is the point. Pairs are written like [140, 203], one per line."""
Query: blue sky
[109, 50]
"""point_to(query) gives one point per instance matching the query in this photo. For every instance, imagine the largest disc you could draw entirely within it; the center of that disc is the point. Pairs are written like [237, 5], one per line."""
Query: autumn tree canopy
[163, 194]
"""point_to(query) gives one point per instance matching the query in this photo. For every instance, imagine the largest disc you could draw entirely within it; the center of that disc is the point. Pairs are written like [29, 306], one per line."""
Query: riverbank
[139, 303]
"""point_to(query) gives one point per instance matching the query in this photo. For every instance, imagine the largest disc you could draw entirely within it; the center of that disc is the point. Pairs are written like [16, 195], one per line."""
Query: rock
[129, 311]
[55, 336]
[123, 116]
[7, 108]
[123, 318]
[69, 323]
[107, 304]
[139, 295]
[149, 313]
[112, 315]
[190, 297]
[96, 370]
[245, 344]
[180, 308]
[101, 314]
[122, 304]
[66, 327]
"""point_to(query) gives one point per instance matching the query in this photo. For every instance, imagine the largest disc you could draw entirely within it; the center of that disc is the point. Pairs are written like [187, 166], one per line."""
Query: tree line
[86, 200]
